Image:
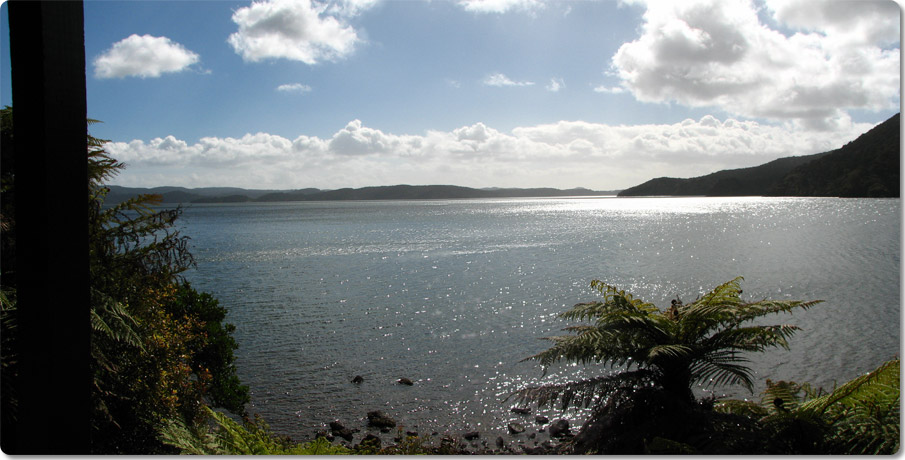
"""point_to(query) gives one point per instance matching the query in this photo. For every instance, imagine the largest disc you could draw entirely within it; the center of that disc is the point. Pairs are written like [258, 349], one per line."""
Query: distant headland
[865, 167]
[394, 192]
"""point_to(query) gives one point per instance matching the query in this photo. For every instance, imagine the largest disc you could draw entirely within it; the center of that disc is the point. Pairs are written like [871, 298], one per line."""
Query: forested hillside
[865, 167]
[392, 192]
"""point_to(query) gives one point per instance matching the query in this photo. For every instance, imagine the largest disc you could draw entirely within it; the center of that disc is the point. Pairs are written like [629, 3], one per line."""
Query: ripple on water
[454, 294]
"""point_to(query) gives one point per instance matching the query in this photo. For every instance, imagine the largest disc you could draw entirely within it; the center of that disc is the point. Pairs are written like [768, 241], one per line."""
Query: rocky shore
[535, 435]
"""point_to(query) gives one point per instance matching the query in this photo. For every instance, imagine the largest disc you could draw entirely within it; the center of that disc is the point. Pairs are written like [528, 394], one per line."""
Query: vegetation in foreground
[159, 349]
[648, 407]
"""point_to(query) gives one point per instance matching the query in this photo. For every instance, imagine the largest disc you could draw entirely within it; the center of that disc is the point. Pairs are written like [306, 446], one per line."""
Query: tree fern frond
[752, 338]
[738, 407]
[882, 382]
[582, 393]
[669, 351]
[722, 372]
[749, 311]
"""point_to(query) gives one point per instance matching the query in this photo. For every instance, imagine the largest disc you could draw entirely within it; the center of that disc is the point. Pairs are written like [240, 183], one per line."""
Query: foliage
[667, 349]
[159, 349]
[860, 417]
[228, 437]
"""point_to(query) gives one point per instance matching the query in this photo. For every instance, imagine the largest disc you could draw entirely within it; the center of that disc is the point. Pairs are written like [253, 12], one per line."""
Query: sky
[280, 94]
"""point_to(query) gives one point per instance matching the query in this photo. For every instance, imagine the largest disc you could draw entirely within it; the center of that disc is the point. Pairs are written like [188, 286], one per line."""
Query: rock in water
[559, 428]
[358, 379]
[516, 428]
[522, 410]
[406, 381]
[540, 419]
[336, 425]
[471, 435]
[380, 420]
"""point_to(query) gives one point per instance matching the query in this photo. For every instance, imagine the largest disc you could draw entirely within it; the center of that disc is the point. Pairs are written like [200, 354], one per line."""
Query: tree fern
[860, 417]
[702, 341]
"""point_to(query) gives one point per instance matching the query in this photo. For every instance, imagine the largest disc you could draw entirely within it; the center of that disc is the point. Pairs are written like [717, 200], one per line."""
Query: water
[454, 294]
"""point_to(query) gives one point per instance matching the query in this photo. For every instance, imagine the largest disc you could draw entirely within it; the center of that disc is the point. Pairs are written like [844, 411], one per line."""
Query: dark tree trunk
[47, 55]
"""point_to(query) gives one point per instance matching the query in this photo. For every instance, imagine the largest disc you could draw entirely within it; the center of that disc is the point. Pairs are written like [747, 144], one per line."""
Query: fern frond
[738, 407]
[722, 367]
[582, 393]
[883, 382]
[110, 318]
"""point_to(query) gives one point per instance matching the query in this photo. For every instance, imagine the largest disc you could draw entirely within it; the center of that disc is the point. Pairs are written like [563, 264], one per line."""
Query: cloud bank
[565, 154]
[143, 56]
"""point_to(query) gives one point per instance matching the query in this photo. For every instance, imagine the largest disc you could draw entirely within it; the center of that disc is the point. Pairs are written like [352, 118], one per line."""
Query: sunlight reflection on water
[454, 294]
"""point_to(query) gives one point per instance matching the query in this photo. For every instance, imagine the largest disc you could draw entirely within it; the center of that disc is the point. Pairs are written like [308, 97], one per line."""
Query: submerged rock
[516, 428]
[338, 429]
[559, 428]
[379, 419]
[522, 410]
[358, 379]
[540, 419]
[471, 435]
[336, 425]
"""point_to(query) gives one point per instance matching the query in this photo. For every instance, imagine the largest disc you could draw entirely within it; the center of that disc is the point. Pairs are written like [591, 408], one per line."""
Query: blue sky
[523, 93]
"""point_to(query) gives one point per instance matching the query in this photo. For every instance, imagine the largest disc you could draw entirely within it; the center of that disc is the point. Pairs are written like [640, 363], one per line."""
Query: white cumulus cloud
[717, 53]
[500, 6]
[300, 30]
[555, 85]
[294, 88]
[609, 90]
[498, 79]
[143, 56]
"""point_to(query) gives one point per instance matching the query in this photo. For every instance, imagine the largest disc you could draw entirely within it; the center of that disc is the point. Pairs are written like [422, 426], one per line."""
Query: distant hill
[865, 167]
[395, 192]
[119, 194]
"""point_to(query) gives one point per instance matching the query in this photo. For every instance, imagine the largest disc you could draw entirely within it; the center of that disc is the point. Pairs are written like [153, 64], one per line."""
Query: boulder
[516, 428]
[540, 419]
[559, 428]
[358, 379]
[344, 433]
[378, 419]
[338, 429]
[336, 425]
[405, 381]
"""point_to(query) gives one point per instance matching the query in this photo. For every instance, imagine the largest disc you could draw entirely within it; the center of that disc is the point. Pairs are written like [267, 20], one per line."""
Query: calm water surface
[453, 294]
